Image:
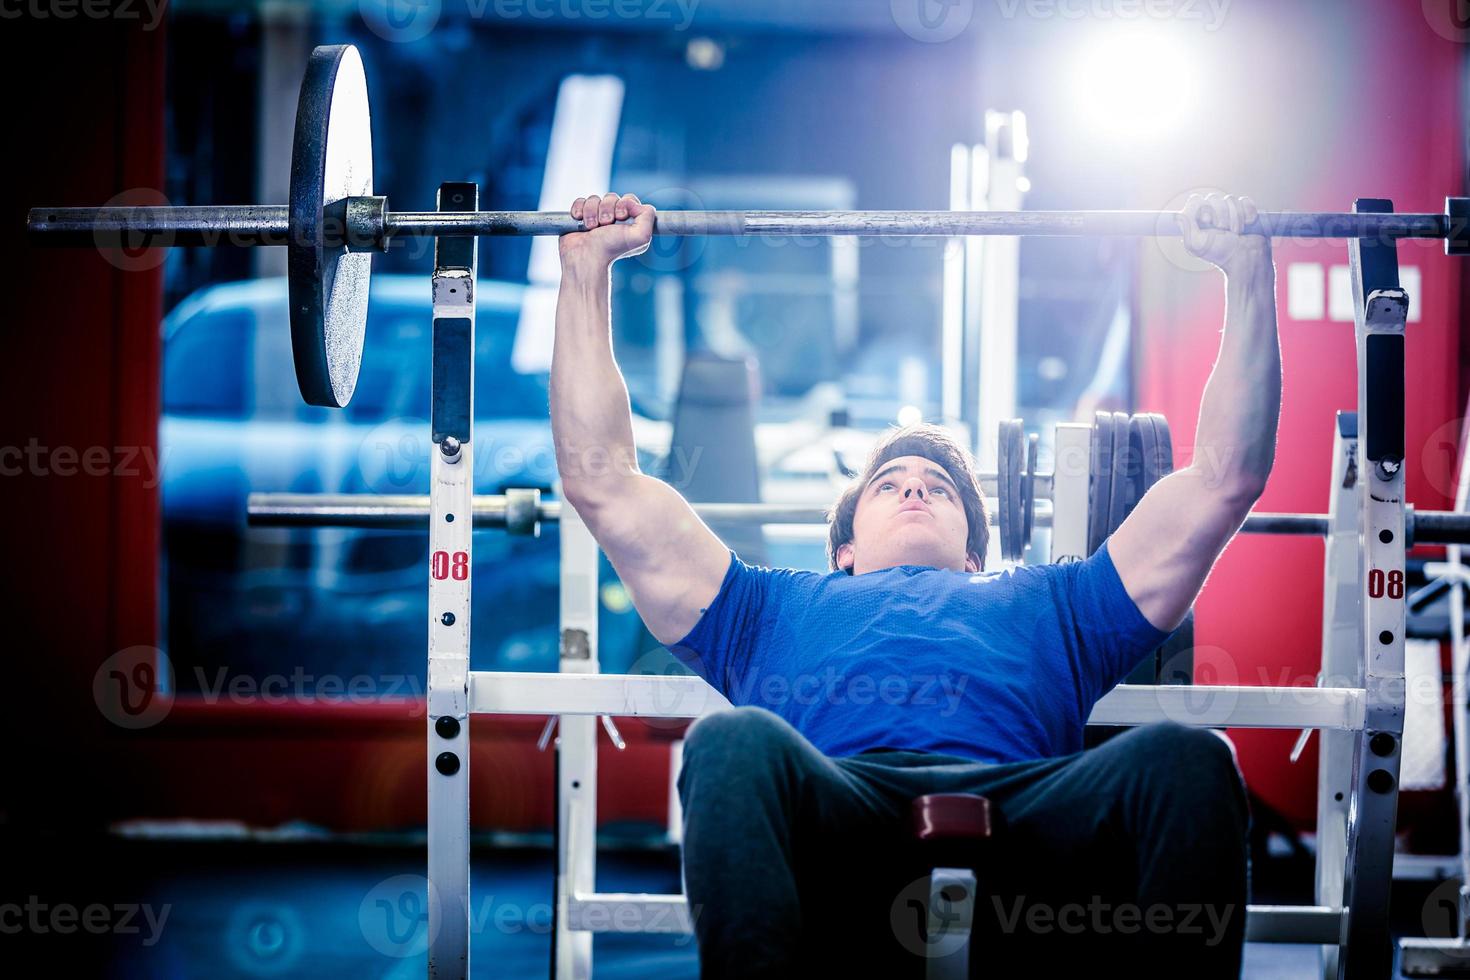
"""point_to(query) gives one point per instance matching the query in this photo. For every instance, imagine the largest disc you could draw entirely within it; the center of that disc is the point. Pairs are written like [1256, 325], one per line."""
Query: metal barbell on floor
[334, 222]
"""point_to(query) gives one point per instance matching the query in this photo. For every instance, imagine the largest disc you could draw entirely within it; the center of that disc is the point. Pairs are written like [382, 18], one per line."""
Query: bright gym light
[1134, 83]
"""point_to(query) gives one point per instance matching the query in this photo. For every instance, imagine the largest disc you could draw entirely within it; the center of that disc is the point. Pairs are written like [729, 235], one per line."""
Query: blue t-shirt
[996, 667]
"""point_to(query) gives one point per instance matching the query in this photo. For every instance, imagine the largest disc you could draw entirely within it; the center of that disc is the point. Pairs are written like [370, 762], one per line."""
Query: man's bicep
[1165, 549]
[670, 562]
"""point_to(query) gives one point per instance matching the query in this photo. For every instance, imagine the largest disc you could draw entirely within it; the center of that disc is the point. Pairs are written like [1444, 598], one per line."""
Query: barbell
[334, 222]
[1128, 455]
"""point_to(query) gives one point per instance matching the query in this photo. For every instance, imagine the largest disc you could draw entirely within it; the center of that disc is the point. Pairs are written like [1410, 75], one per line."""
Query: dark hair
[934, 443]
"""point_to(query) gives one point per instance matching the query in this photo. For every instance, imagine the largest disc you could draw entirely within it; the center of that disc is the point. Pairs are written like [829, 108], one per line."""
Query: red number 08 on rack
[1378, 584]
[442, 565]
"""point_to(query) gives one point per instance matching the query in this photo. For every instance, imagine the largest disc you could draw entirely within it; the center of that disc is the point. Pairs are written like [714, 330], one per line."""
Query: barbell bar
[333, 222]
[517, 510]
[1129, 454]
[365, 224]
[411, 511]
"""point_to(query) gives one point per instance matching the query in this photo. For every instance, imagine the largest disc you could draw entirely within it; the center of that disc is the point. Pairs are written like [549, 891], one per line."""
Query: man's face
[909, 513]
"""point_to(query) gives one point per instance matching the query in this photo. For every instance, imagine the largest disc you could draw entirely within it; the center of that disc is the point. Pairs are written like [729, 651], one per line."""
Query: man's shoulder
[773, 578]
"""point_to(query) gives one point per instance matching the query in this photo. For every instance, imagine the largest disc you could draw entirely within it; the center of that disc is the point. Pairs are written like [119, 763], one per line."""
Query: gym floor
[232, 909]
[238, 910]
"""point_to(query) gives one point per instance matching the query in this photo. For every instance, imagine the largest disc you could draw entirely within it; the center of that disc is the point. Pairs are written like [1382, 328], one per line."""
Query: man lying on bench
[908, 670]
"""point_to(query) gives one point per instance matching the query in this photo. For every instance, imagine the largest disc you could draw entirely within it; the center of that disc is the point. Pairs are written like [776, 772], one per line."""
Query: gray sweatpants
[1131, 857]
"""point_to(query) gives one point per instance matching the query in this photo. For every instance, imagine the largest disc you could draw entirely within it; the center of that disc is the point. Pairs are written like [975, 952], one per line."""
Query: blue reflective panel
[207, 368]
[327, 606]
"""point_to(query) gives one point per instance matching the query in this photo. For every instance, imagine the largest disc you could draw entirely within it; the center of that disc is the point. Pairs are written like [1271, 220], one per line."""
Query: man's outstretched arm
[1166, 547]
[669, 561]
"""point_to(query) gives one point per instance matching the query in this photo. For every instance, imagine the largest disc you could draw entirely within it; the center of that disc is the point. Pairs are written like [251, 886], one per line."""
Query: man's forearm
[1235, 443]
[591, 422]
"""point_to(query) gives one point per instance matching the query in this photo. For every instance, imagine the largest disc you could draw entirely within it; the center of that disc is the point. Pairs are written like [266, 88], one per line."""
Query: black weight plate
[1145, 435]
[1123, 469]
[331, 159]
[1137, 424]
[1028, 489]
[1008, 488]
[1165, 443]
[1002, 468]
[1143, 453]
[1002, 465]
[1100, 487]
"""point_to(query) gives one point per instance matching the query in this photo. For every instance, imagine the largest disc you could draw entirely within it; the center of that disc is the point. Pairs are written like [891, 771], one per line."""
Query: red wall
[79, 362]
[1370, 108]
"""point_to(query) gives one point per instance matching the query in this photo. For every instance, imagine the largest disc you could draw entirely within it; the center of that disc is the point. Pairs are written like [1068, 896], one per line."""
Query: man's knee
[746, 739]
[740, 729]
[1188, 755]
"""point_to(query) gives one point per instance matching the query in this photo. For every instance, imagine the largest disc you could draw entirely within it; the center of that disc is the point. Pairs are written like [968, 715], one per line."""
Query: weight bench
[950, 834]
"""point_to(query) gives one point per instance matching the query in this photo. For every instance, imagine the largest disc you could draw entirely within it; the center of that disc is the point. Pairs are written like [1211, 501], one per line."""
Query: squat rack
[1358, 705]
